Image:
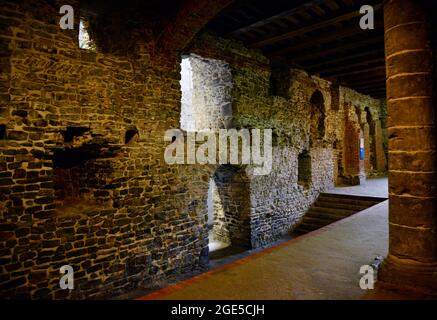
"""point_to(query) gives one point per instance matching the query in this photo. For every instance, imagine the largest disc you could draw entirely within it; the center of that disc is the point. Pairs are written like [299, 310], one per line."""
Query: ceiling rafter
[345, 59]
[362, 70]
[305, 56]
[270, 19]
[321, 37]
[309, 27]
[324, 38]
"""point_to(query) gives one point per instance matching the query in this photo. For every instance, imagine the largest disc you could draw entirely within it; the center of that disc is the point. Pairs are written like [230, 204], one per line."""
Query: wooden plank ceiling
[320, 36]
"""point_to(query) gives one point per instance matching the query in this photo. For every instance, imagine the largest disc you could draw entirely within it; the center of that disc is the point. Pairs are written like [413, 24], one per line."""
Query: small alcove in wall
[81, 168]
[317, 115]
[2, 131]
[304, 169]
[131, 135]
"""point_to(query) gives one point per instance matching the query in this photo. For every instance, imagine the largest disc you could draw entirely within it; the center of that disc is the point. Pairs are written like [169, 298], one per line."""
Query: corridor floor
[323, 264]
[376, 187]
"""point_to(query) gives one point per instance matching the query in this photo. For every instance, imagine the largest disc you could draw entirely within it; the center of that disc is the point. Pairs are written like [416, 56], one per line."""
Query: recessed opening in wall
[71, 132]
[2, 131]
[317, 105]
[304, 169]
[335, 97]
[81, 168]
[130, 134]
[372, 139]
[187, 114]
[206, 98]
[85, 40]
[279, 81]
[358, 113]
[228, 212]
[214, 207]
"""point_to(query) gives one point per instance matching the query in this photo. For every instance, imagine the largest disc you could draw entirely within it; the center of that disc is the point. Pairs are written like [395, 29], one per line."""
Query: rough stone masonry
[82, 174]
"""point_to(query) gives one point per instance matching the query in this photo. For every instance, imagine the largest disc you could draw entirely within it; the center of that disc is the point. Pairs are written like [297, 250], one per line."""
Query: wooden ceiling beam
[380, 88]
[378, 74]
[345, 58]
[371, 87]
[305, 56]
[270, 19]
[355, 81]
[308, 28]
[360, 71]
[322, 39]
[332, 5]
[348, 2]
[318, 11]
[375, 85]
[349, 66]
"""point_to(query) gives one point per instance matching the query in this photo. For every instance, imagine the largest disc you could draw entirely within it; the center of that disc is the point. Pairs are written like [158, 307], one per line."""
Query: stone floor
[376, 187]
[323, 264]
[320, 265]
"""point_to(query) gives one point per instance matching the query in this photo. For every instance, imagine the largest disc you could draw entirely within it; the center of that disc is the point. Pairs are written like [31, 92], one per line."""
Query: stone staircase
[331, 207]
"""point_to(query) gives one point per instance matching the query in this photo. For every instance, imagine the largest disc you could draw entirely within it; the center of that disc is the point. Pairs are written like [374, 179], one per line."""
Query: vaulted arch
[188, 22]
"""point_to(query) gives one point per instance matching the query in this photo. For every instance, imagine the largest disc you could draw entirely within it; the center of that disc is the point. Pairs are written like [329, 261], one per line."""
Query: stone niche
[317, 110]
[2, 131]
[81, 169]
[304, 169]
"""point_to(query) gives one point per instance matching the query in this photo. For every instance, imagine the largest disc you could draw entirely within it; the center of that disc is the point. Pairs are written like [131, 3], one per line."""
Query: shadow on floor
[226, 252]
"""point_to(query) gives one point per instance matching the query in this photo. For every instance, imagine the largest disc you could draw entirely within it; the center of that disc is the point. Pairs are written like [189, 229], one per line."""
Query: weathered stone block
[413, 243]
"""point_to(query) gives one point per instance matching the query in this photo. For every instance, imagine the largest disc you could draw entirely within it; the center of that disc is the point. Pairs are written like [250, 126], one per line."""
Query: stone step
[326, 216]
[305, 228]
[332, 207]
[309, 224]
[319, 220]
[353, 201]
[339, 205]
[333, 211]
[351, 197]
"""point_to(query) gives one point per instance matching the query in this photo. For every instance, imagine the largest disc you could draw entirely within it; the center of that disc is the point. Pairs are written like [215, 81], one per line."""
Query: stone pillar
[412, 258]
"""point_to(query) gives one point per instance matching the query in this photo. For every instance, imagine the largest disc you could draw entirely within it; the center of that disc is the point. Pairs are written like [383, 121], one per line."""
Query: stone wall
[310, 118]
[130, 219]
[82, 174]
[362, 113]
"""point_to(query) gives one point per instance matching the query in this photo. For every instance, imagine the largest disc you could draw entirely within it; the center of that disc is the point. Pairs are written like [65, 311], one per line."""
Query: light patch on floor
[215, 245]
